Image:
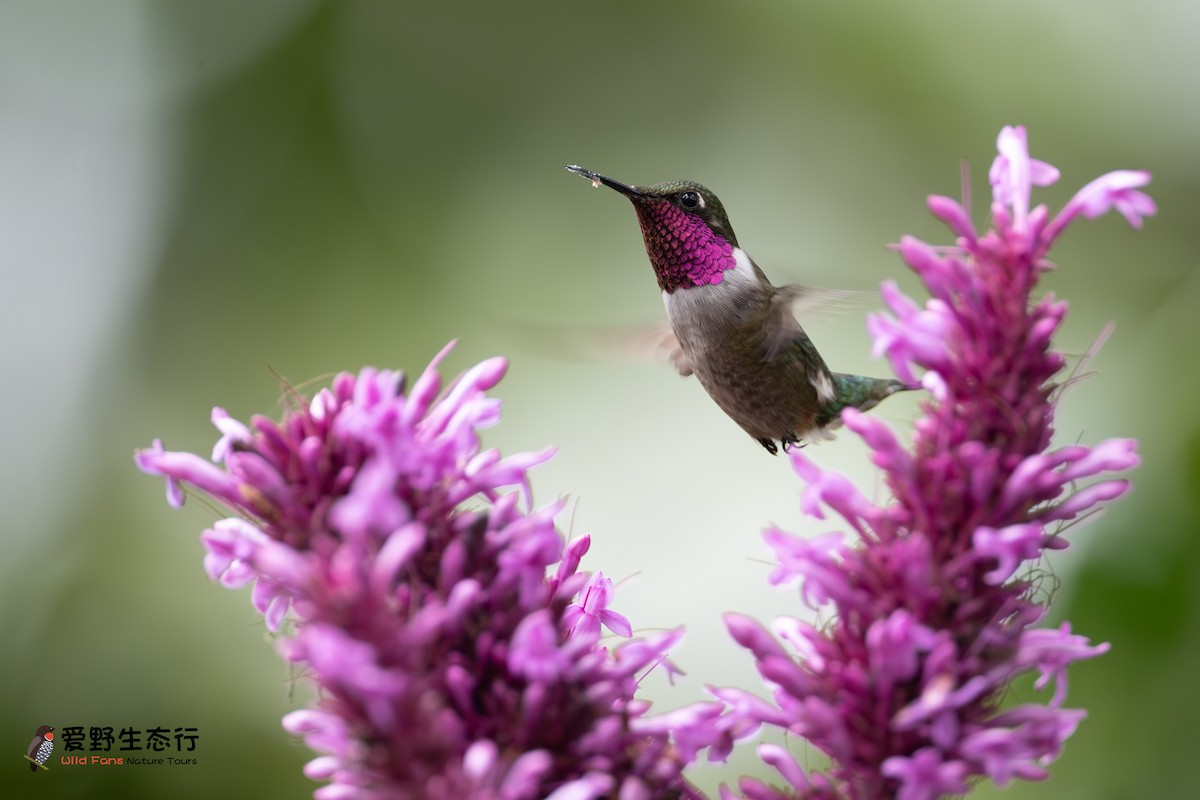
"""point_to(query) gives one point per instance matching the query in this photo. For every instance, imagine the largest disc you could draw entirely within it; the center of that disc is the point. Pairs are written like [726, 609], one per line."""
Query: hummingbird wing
[678, 357]
[785, 329]
[651, 342]
[817, 302]
[793, 301]
[786, 340]
[655, 341]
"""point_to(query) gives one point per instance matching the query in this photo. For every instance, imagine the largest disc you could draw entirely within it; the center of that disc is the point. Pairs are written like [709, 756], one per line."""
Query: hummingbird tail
[862, 392]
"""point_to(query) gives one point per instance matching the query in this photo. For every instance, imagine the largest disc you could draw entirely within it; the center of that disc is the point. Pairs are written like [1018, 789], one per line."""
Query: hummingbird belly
[723, 332]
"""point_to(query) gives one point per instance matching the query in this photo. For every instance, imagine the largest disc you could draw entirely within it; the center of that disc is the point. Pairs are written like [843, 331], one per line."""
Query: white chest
[707, 309]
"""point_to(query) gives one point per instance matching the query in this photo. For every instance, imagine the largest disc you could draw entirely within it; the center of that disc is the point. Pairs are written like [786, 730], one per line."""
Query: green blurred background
[196, 197]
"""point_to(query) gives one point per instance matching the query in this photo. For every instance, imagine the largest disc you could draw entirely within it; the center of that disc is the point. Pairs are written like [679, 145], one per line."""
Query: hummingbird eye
[690, 200]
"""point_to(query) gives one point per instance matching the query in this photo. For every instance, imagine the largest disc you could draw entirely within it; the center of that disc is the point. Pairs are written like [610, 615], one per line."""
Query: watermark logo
[108, 746]
[40, 748]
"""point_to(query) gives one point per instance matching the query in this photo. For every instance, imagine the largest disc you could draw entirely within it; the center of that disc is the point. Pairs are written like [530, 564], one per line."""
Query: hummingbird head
[687, 234]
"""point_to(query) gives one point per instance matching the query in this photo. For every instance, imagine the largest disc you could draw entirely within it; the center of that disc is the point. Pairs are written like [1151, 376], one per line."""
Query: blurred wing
[656, 342]
[811, 303]
[652, 342]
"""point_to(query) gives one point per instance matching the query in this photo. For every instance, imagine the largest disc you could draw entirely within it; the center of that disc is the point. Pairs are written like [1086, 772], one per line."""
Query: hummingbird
[734, 330]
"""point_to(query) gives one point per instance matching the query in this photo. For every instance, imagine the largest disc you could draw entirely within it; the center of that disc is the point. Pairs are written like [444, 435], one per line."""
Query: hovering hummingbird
[734, 330]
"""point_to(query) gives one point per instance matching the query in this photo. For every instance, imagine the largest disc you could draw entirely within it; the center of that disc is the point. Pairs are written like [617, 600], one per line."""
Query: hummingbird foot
[791, 442]
[786, 442]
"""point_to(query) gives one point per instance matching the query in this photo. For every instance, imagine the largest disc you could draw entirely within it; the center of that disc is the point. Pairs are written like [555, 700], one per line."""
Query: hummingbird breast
[726, 331]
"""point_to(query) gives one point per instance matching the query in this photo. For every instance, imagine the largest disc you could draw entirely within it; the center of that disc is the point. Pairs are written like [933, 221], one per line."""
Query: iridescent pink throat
[683, 250]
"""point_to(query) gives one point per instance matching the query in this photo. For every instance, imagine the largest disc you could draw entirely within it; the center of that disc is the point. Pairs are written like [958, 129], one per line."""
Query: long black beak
[596, 178]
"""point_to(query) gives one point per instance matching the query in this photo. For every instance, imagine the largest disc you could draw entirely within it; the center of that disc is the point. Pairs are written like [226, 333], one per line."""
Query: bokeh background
[197, 199]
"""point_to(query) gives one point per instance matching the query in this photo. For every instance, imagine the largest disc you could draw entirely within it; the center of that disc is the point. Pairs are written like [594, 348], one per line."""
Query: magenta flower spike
[934, 601]
[414, 569]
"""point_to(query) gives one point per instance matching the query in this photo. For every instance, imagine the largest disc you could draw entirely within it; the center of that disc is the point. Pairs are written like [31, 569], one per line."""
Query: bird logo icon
[40, 748]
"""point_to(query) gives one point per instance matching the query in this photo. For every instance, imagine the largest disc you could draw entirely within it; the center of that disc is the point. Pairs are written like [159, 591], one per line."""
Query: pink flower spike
[925, 775]
[1010, 547]
[889, 454]
[232, 433]
[430, 616]
[834, 490]
[190, 468]
[1117, 190]
[569, 565]
[926, 617]
[231, 543]
[1051, 651]
[1085, 499]
[785, 764]
[149, 461]
[1014, 173]
[933, 383]
[526, 774]
[586, 617]
[534, 652]
[426, 388]
[951, 212]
